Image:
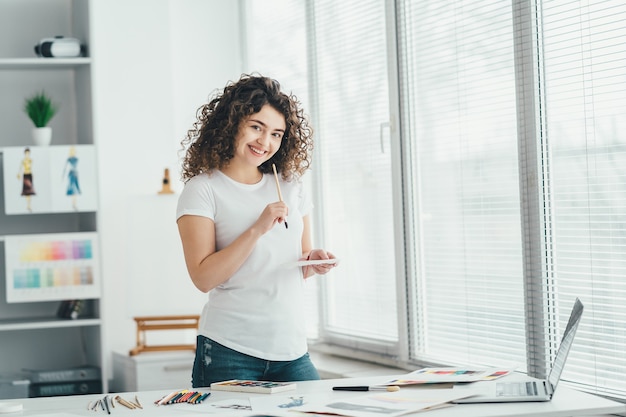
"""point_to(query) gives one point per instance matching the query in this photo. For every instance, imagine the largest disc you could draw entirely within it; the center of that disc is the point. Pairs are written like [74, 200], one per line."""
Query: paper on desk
[389, 404]
[278, 405]
[447, 375]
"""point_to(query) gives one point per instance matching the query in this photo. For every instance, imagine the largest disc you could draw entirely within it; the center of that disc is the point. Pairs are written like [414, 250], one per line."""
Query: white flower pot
[42, 136]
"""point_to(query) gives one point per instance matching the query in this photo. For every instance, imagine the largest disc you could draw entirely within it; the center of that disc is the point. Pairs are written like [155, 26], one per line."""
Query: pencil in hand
[280, 195]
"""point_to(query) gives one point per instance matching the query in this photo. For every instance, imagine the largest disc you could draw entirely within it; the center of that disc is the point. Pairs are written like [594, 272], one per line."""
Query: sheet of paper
[280, 405]
[389, 404]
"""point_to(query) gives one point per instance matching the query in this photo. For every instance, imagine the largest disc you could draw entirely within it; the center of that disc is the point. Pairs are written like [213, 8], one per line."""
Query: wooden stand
[145, 324]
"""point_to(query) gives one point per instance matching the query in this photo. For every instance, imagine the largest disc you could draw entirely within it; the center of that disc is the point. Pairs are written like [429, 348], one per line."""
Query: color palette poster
[53, 266]
[50, 179]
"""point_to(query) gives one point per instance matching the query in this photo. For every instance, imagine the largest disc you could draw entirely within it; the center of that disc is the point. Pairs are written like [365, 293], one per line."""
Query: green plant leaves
[40, 109]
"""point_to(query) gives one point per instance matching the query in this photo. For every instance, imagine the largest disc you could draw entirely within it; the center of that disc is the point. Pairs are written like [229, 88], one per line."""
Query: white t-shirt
[259, 310]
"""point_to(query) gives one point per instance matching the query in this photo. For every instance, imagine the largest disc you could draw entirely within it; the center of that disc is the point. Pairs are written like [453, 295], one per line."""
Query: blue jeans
[215, 362]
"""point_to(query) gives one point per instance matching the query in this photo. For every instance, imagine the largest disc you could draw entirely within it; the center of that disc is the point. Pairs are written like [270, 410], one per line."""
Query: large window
[470, 218]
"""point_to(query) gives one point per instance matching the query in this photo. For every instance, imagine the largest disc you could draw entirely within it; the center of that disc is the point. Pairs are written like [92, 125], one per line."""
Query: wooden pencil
[280, 195]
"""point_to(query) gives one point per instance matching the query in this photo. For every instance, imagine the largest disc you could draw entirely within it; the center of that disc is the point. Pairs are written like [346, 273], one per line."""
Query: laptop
[529, 389]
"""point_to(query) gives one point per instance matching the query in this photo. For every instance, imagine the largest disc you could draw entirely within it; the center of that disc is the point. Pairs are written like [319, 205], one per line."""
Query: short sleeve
[196, 199]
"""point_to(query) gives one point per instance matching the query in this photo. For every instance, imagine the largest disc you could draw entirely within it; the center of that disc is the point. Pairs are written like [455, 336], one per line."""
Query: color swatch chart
[52, 277]
[53, 266]
[56, 250]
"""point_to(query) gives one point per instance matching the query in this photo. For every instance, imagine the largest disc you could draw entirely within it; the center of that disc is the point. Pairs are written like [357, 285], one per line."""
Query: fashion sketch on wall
[51, 179]
[25, 174]
[70, 171]
[26, 170]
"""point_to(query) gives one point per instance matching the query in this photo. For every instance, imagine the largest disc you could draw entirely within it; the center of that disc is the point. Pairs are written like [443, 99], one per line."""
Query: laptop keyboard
[516, 389]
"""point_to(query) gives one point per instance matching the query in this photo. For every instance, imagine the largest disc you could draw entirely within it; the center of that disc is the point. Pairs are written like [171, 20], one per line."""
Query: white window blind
[584, 63]
[353, 170]
[457, 75]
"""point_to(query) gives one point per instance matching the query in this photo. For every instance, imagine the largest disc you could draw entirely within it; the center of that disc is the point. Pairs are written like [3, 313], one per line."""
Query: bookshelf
[30, 332]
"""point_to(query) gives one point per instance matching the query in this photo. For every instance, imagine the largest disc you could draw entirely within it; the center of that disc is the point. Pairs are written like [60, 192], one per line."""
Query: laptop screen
[566, 344]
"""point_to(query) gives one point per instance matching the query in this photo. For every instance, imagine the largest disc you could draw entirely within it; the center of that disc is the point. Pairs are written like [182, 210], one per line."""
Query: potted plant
[40, 109]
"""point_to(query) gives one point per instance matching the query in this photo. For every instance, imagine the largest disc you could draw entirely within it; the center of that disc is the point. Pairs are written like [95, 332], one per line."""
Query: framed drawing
[73, 178]
[50, 179]
[26, 178]
[52, 266]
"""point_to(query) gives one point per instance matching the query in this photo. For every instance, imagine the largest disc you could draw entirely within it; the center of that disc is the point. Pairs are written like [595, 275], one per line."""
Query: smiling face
[259, 137]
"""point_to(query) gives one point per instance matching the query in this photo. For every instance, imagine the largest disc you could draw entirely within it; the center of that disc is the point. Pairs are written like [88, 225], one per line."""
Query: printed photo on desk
[449, 375]
[52, 266]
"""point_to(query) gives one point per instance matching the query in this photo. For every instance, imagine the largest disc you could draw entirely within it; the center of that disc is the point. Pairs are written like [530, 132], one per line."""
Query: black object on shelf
[71, 309]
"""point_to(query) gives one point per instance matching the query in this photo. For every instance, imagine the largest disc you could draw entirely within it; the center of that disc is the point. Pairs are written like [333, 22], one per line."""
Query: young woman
[243, 229]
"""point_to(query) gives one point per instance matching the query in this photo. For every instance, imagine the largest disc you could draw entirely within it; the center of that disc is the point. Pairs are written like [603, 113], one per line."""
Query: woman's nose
[264, 138]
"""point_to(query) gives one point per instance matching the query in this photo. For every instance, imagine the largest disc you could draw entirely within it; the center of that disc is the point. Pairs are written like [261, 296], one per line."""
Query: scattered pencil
[106, 404]
[125, 403]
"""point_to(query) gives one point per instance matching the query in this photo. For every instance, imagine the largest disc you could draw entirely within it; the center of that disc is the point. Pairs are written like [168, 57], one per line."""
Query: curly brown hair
[210, 144]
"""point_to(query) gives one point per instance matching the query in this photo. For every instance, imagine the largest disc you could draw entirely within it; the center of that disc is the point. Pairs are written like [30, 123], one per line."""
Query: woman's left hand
[320, 269]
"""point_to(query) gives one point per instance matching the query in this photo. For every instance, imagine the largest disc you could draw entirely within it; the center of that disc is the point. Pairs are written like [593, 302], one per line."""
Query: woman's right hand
[272, 214]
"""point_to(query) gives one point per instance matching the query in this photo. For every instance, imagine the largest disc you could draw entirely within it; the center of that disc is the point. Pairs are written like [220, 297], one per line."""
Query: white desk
[566, 402]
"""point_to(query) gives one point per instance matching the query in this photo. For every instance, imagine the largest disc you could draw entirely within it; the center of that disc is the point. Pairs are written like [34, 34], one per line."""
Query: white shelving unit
[30, 333]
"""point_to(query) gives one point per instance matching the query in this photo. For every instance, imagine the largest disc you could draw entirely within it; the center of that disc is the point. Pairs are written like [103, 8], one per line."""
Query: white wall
[155, 63]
